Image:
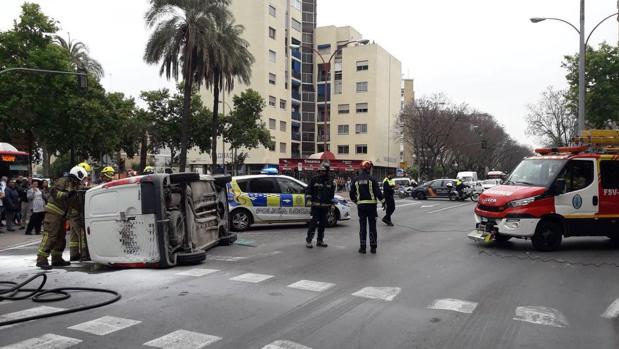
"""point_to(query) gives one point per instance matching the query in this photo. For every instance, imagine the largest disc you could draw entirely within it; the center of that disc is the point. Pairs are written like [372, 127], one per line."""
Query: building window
[361, 128]
[282, 104]
[272, 101]
[343, 109]
[272, 124]
[338, 86]
[342, 130]
[296, 25]
[272, 78]
[272, 33]
[342, 149]
[324, 49]
[272, 56]
[282, 126]
[296, 4]
[361, 148]
[362, 65]
[272, 11]
[362, 86]
[362, 107]
[282, 147]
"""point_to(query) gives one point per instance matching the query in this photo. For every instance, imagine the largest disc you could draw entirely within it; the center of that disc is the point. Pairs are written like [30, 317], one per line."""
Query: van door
[579, 198]
[265, 194]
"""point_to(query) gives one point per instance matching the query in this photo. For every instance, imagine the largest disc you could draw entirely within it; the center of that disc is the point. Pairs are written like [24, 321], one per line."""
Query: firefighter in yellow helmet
[107, 174]
[148, 170]
[85, 166]
[62, 194]
[77, 237]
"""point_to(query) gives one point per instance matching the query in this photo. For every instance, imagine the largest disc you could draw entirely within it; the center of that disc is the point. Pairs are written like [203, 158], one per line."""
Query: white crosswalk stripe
[104, 325]
[281, 344]
[183, 339]
[453, 305]
[27, 313]
[197, 272]
[382, 293]
[251, 277]
[46, 341]
[541, 316]
[612, 311]
[308, 285]
[6, 302]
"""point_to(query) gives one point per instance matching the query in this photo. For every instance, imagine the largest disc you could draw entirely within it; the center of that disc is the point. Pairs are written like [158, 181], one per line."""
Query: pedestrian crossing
[184, 338]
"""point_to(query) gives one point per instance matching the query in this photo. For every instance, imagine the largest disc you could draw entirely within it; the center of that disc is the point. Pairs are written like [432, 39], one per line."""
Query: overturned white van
[159, 220]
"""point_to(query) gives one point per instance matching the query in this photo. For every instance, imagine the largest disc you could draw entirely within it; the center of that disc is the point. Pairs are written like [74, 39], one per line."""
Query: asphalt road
[428, 287]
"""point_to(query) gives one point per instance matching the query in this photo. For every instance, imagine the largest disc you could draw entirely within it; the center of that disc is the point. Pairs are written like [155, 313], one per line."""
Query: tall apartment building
[362, 96]
[288, 73]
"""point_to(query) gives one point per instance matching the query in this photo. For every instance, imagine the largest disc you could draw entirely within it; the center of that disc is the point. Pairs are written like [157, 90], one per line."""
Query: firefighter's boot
[57, 261]
[43, 263]
[74, 252]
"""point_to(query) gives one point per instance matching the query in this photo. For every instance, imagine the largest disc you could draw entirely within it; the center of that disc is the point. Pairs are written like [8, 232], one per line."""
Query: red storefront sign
[314, 165]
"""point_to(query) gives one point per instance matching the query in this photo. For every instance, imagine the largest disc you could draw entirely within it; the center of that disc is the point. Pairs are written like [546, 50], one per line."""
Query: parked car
[159, 220]
[268, 199]
[432, 189]
[489, 183]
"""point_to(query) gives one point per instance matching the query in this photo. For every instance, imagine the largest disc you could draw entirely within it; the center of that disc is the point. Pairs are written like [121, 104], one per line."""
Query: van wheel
[547, 237]
[240, 220]
[191, 258]
[332, 217]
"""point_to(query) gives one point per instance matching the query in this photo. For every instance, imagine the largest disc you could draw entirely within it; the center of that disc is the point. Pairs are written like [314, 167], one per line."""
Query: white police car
[267, 199]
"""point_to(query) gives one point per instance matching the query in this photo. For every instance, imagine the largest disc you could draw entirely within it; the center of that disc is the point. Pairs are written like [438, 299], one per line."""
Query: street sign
[300, 167]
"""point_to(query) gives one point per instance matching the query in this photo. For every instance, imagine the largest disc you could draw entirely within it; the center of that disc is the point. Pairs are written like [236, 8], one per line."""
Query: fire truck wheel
[191, 258]
[548, 236]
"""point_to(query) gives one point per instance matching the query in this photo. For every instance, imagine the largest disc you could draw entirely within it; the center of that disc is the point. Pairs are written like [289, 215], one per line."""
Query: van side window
[578, 174]
[242, 183]
[264, 186]
[610, 174]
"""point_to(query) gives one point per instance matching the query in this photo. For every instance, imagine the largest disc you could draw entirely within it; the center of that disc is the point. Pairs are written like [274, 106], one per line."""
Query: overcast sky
[482, 52]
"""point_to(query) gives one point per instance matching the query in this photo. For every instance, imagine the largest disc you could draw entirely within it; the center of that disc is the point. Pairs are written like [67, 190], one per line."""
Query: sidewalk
[10, 239]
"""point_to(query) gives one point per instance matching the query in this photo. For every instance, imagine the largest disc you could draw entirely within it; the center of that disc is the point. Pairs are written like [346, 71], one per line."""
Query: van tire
[191, 258]
[176, 178]
[547, 237]
[228, 240]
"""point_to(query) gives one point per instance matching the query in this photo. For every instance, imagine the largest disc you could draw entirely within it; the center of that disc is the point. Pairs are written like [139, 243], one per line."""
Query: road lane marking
[251, 277]
[315, 286]
[429, 206]
[104, 325]
[411, 204]
[240, 258]
[448, 208]
[183, 339]
[21, 246]
[46, 341]
[541, 316]
[27, 313]
[457, 305]
[197, 272]
[382, 293]
[612, 311]
[280, 344]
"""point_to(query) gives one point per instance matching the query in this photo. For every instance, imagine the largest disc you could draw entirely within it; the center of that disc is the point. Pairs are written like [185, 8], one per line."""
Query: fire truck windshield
[536, 172]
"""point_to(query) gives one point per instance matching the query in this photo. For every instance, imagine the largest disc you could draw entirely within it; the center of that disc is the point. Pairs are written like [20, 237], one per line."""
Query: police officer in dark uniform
[365, 192]
[389, 192]
[319, 194]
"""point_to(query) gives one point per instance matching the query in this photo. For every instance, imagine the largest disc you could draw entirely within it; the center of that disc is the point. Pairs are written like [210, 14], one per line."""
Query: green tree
[80, 56]
[602, 85]
[183, 30]
[229, 60]
[243, 128]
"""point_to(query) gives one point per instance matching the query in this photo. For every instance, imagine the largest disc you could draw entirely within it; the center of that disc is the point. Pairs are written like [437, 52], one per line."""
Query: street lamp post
[326, 71]
[581, 57]
[223, 142]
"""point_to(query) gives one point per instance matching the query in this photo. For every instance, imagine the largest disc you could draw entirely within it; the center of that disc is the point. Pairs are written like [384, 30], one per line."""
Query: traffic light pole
[82, 77]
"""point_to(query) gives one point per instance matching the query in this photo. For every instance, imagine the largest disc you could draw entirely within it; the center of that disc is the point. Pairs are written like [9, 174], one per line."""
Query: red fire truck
[562, 192]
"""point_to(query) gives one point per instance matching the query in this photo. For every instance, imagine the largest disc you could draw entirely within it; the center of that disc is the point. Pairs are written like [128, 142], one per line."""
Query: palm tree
[229, 60]
[183, 29]
[80, 56]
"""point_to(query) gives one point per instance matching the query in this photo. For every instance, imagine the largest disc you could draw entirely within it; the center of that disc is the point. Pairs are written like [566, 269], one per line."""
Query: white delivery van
[158, 220]
[467, 176]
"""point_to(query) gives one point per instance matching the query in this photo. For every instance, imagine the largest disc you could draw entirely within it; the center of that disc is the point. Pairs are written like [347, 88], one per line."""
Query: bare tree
[551, 119]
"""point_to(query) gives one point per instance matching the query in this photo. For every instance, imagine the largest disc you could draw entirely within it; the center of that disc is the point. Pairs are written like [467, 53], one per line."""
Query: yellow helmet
[85, 166]
[148, 170]
[108, 172]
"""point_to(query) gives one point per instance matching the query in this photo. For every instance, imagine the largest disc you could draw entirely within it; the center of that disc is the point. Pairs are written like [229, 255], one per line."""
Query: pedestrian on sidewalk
[12, 205]
[365, 192]
[389, 192]
[26, 207]
[35, 197]
[319, 194]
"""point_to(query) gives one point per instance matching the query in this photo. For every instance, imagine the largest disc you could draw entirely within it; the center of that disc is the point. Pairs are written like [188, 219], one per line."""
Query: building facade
[289, 74]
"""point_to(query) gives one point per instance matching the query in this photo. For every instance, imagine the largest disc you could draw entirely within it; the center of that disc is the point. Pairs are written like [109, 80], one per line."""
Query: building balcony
[296, 75]
[296, 136]
[296, 95]
[296, 115]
